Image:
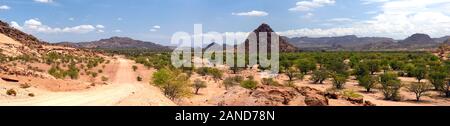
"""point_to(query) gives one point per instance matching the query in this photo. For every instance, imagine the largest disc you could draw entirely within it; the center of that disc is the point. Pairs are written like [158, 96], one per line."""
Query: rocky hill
[116, 43]
[416, 42]
[18, 35]
[350, 42]
[285, 46]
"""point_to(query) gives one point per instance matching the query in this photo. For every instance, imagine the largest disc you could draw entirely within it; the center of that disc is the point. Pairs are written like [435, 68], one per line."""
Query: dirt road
[123, 88]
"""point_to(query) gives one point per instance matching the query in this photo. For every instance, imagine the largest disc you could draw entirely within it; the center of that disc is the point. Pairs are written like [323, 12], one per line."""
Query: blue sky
[157, 20]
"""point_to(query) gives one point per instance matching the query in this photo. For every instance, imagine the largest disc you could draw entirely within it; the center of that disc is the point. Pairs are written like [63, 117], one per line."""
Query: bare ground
[124, 90]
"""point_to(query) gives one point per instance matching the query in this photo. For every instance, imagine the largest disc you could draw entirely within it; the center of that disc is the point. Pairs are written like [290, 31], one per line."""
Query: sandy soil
[7, 40]
[124, 87]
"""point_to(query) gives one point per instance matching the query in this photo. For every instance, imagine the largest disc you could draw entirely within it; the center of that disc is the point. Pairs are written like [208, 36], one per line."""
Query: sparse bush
[270, 82]
[24, 85]
[232, 81]
[173, 83]
[104, 78]
[100, 71]
[11, 92]
[134, 67]
[216, 73]
[198, 84]
[31, 94]
[139, 78]
[419, 89]
[351, 94]
[56, 72]
[94, 74]
[249, 84]
[203, 71]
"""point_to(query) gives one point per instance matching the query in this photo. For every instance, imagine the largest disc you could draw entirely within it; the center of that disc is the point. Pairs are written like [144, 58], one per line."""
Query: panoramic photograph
[224, 53]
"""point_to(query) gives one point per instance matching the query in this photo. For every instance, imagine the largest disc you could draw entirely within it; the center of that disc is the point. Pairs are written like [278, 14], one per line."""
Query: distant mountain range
[354, 43]
[416, 42]
[117, 43]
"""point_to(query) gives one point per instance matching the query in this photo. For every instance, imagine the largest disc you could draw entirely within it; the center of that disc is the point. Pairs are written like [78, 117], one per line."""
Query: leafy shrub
[249, 84]
[173, 83]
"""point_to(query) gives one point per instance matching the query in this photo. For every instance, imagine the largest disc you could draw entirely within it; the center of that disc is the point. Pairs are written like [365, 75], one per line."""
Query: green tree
[292, 73]
[198, 84]
[420, 89]
[437, 79]
[390, 86]
[374, 66]
[319, 76]
[361, 70]
[306, 65]
[420, 73]
[339, 80]
[368, 82]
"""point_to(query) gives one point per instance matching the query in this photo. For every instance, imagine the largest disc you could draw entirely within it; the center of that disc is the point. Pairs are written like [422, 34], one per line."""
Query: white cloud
[100, 26]
[118, 30]
[44, 1]
[4, 7]
[253, 13]
[35, 26]
[340, 20]
[155, 28]
[119, 19]
[100, 31]
[71, 19]
[308, 15]
[310, 5]
[397, 19]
